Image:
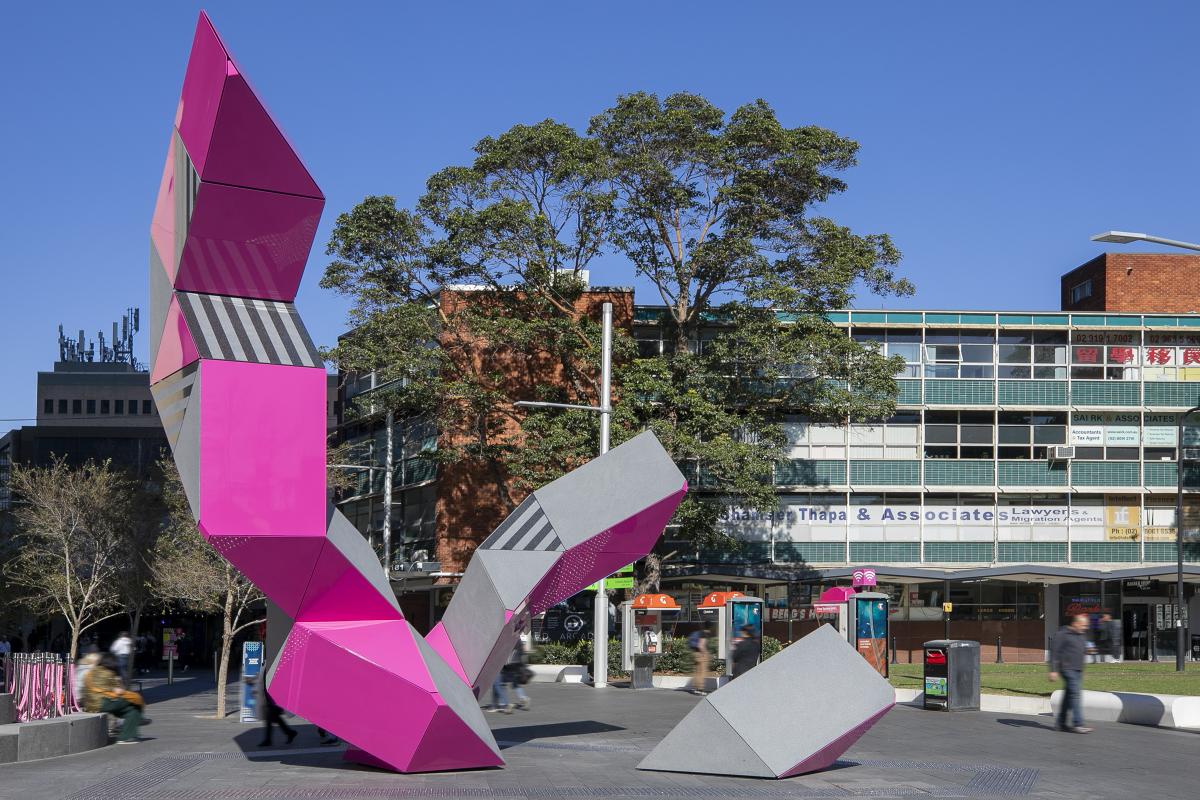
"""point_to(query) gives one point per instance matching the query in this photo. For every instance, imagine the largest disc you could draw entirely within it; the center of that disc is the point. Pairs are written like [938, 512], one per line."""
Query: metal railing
[41, 685]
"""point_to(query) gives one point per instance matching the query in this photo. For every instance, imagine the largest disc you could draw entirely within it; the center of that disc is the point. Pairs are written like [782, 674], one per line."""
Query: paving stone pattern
[583, 743]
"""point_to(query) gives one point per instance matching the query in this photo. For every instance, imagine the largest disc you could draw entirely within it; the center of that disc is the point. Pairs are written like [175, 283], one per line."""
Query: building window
[91, 406]
[133, 406]
[104, 409]
[47, 406]
[145, 406]
[76, 406]
[62, 406]
[1081, 291]
[119, 406]
[959, 434]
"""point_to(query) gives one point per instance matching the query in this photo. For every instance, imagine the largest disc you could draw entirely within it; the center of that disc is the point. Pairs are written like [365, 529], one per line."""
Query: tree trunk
[226, 644]
[74, 653]
[651, 574]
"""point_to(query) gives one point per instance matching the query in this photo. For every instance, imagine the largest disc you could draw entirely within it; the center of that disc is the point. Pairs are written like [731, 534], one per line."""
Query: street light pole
[1180, 631]
[600, 606]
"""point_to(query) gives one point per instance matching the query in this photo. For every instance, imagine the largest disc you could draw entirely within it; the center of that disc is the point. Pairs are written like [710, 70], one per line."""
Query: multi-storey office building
[1031, 454]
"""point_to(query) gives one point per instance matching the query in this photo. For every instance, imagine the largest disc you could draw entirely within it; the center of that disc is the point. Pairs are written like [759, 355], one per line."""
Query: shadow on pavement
[1025, 723]
[157, 690]
[519, 734]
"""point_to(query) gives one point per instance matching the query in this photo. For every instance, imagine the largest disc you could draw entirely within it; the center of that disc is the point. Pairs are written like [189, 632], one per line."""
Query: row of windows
[107, 407]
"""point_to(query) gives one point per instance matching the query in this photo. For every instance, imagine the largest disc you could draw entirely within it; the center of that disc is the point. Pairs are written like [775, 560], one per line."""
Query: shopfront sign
[1122, 517]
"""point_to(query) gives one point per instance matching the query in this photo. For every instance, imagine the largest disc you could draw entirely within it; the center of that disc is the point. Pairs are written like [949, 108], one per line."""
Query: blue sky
[996, 137]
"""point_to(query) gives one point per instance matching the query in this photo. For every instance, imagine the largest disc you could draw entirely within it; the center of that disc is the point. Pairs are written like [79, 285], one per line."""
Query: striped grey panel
[171, 396]
[526, 528]
[244, 329]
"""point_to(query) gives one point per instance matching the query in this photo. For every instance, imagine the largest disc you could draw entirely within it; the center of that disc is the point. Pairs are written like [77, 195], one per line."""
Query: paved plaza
[585, 743]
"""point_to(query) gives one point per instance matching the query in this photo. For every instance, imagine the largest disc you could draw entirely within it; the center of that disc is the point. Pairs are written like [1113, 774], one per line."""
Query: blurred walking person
[698, 642]
[1068, 652]
[121, 649]
[746, 651]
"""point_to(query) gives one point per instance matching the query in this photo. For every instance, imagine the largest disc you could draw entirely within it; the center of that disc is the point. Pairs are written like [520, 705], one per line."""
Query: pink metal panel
[162, 225]
[824, 758]
[248, 149]
[338, 591]
[262, 449]
[450, 744]
[278, 565]
[201, 96]
[176, 349]
[440, 642]
[247, 243]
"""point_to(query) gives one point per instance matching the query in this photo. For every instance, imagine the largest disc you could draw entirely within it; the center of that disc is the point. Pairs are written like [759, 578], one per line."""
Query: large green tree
[717, 213]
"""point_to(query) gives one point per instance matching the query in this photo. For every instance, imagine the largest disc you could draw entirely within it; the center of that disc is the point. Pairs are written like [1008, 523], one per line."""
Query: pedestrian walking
[745, 651]
[514, 674]
[5, 647]
[104, 692]
[698, 642]
[1116, 643]
[122, 648]
[1067, 652]
[269, 712]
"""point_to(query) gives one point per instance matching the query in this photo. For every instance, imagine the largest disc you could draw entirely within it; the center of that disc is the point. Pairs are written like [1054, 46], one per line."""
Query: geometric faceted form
[248, 149]
[797, 712]
[241, 391]
[442, 725]
[247, 242]
[176, 347]
[513, 575]
[280, 566]
[262, 449]
[348, 580]
[171, 397]
[526, 528]
[242, 329]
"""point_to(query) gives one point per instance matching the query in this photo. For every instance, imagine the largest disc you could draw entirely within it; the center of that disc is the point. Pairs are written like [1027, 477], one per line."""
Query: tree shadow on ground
[157, 691]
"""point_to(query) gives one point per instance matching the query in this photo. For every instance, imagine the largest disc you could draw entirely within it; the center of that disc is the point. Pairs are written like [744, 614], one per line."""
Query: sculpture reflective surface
[241, 392]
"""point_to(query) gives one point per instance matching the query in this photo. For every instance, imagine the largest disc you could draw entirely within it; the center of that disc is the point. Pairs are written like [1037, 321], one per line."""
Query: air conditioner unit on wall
[1061, 452]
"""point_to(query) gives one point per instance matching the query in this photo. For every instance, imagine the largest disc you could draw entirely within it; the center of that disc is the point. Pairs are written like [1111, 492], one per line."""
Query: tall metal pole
[1180, 631]
[387, 498]
[600, 606]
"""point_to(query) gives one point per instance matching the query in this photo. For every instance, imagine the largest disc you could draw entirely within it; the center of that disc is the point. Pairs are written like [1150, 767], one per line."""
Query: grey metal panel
[187, 449]
[171, 396]
[526, 528]
[279, 627]
[609, 489]
[474, 619]
[802, 699]
[514, 573]
[342, 534]
[245, 329]
[705, 742]
[160, 300]
[457, 695]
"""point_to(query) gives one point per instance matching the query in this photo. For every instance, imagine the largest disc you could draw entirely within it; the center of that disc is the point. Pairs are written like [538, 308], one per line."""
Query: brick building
[1165, 283]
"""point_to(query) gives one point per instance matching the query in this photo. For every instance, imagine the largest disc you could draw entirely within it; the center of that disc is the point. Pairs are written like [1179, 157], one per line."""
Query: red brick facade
[1161, 283]
[473, 498]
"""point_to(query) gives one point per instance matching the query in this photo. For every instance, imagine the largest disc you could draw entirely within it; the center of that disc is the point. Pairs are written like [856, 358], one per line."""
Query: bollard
[999, 650]
[893, 649]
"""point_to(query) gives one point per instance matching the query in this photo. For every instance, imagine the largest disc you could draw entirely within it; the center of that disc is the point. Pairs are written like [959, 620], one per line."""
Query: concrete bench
[1163, 710]
[47, 738]
[558, 673]
[8, 712]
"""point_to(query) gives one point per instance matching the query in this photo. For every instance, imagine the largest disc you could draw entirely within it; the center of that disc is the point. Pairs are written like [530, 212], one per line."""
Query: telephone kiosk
[862, 617]
[642, 637]
[731, 611]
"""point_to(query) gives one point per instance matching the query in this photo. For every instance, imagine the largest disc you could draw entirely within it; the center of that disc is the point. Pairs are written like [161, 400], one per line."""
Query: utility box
[952, 675]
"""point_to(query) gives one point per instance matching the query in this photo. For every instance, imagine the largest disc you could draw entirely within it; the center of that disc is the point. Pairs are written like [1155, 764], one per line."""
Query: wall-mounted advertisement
[1122, 517]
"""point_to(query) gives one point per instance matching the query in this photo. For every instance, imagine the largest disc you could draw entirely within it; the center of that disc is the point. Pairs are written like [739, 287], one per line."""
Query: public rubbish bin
[952, 675]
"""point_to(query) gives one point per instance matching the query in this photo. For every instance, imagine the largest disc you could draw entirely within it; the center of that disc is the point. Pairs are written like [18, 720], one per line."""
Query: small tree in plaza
[715, 212]
[188, 571]
[71, 529]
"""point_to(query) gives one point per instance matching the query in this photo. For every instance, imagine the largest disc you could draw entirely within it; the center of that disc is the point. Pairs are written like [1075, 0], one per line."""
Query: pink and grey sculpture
[241, 392]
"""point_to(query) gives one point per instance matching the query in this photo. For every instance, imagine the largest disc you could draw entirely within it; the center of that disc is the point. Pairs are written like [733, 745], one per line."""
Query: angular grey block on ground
[794, 713]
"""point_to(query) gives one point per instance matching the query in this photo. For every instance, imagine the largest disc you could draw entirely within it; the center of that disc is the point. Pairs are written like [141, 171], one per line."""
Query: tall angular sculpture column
[241, 392]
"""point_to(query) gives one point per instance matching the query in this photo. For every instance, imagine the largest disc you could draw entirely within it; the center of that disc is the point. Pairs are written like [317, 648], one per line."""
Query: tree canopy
[718, 214]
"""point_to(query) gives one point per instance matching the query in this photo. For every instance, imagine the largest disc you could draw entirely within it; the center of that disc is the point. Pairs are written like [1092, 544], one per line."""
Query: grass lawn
[1029, 680]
